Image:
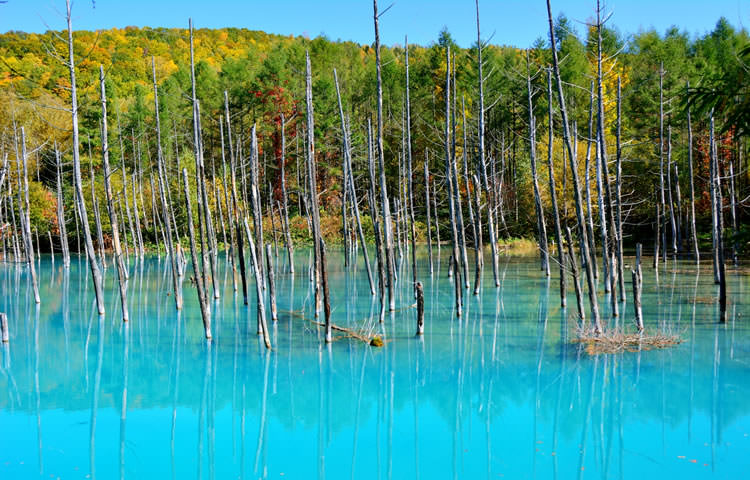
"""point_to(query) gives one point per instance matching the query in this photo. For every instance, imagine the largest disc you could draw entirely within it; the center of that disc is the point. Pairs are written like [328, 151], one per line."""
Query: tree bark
[199, 284]
[121, 277]
[90, 254]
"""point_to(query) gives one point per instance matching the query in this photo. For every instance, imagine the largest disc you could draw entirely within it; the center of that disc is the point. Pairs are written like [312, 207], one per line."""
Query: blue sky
[513, 22]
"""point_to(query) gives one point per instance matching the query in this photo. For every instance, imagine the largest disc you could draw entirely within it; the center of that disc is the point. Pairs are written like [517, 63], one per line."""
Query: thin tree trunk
[427, 207]
[349, 183]
[26, 221]
[162, 181]
[618, 195]
[314, 208]
[121, 277]
[60, 213]
[553, 196]
[574, 270]
[587, 185]
[284, 198]
[576, 186]
[387, 226]
[410, 173]
[492, 200]
[455, 239]
[541, 228]
[635, 273]
[693, 231]
[271, 283]
[78, 182]
[199, 284]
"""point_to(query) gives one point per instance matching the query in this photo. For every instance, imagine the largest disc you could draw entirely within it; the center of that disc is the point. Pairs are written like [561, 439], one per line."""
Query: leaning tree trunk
[162, 181]
[199, 284]
[121, 277]
[574, 173]
[541, 228]
[349, 184]
[553, 196]
[26, 221]
[78, 182]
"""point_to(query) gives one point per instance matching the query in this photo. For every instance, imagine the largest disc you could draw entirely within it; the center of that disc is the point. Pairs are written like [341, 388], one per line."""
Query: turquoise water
[501, 393]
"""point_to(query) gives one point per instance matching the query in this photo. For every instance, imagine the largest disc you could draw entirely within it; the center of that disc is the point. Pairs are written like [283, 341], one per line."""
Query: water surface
[500, 393]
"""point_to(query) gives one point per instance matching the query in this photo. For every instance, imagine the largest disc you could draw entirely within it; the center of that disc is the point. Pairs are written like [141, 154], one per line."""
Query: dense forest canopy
[264, 77]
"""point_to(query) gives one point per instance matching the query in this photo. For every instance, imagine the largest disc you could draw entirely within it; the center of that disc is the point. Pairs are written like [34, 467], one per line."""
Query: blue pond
[500, 393]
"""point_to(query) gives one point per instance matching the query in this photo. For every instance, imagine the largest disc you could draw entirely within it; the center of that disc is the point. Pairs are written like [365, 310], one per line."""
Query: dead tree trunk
[618, 195]
[492, 201]
[376, 221]
[574, 270]
[455, 239]
[410, 173]
[541, 227]
[387, 226]
[313, 186]
[587, 185]
[271, 283]
[693, 231]
[90, 254]
[574, 173]
[637, 284]
[26, 221]
[119, 265]
[61, 213]
[427, 208]
[199, 284]
[553, 196]
[349, 184]
[285, 199]
[162, 181]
